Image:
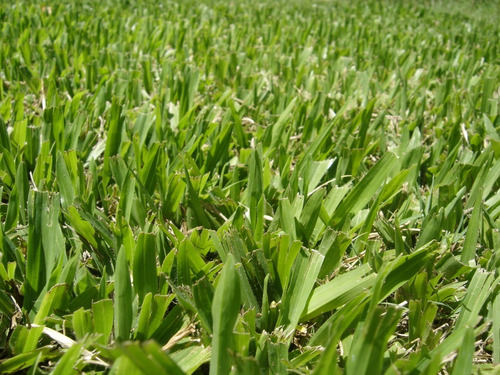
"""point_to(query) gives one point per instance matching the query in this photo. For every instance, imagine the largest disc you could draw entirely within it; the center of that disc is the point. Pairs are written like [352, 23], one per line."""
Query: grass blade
[304, 274]
[364, 190]
[102, 314]
[123, 298]
[144, 266]
[496, 330]
[463, 363]
[225, 309]
[469, 249]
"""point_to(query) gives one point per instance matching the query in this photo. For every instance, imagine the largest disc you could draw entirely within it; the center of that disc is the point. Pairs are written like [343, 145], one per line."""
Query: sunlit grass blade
[115, 128]
[35, 262]
[190, 359]
[304, 273]
[225, 308]
[370, 341]
[469, 249]
[123, 314]
[64, 182]
[255, 192]
[144, 266]
[279, 127]
[478, 292]
[365, 190]
[67, 362]
[339, 291]
[102, 315]
[463, 363]
[496, 330]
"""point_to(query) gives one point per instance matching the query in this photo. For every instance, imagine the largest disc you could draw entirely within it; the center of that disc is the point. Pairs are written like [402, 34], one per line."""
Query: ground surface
[257, 187]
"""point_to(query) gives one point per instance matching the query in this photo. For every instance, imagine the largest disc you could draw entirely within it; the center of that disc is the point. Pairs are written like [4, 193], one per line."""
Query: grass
[249, 187]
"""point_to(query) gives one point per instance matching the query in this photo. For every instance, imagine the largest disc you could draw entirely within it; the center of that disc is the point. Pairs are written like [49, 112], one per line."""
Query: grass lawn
[249, 187]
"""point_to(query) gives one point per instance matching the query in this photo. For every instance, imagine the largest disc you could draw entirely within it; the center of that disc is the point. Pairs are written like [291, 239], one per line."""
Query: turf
[249, 187]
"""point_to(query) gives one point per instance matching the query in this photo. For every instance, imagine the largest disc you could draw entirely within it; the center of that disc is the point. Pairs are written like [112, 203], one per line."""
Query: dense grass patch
[250, 187]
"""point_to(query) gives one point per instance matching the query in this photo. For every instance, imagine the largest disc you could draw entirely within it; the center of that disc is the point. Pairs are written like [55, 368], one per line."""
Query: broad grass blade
[123, 314]
[64, 182]
[339, 291]
[496, 330]
[225, 309]
[255, 192]
[370, 341]
[102, 315]
[35, 260]
[304, 273]
[67, 362]
[365, 189]
[463, 363]
[478, 292]
[469, 249]
[150, 359]
[279, 126]
[144, 266]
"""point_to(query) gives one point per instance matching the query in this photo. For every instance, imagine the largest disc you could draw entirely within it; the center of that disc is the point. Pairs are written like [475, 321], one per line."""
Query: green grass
[270, 187]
